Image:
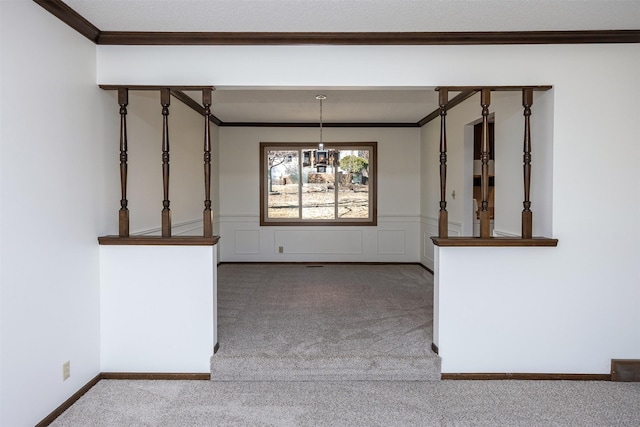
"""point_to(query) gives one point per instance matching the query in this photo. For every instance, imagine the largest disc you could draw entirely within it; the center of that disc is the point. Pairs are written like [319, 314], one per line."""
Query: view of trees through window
[302, 183]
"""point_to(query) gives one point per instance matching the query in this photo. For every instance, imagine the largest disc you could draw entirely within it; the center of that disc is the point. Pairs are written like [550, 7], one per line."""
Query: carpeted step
[324, 368]
[338, 322]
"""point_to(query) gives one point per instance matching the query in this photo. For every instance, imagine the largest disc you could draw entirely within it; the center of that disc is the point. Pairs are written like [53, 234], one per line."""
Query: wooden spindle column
[165, 101]
[123, 214]
[207, 216]
[443, 217]
[485, 215]
[527, 215]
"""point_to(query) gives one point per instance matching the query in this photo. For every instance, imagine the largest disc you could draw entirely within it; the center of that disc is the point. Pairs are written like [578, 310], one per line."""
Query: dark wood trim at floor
[155, 376]
[425, 267]
[207, 376]
[119, 376]
[70, 401]
[319, 263]
[525, 377]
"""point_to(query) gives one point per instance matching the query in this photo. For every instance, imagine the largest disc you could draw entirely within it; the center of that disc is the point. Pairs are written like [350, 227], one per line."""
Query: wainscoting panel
[318, 241]
[395, 239]
[247, 241]
[392, 242]
[429, 227]
[185, 228]
[500, 233]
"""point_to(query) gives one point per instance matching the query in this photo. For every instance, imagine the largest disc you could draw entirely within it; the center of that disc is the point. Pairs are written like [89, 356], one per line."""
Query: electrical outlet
[280, 249]
[66, 370]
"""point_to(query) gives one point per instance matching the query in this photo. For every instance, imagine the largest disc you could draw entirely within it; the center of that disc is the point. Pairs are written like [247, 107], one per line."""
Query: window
[302, 184]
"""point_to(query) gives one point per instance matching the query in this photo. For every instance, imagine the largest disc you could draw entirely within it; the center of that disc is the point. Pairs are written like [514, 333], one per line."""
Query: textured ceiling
[357, 104]
[358, 15]
[300, 106]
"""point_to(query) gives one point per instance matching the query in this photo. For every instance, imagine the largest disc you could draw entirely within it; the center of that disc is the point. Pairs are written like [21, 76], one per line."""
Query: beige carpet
[302, 333]
[113, 403]
[283, 322]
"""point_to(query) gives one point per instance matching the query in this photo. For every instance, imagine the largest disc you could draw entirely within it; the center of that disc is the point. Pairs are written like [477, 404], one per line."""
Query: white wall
[395, 238]
[157, 319]
[596, 103]
[52, 137]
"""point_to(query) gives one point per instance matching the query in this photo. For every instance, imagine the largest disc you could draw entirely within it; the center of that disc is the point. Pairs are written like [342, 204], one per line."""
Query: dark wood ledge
[158, 241]
[154, 87]
[542, 88]
[494, 241]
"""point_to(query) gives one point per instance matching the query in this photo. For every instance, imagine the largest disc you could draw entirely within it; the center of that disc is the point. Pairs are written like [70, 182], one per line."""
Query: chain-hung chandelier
[321, 153]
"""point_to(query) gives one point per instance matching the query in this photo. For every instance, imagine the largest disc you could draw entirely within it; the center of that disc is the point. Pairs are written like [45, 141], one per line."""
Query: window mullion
[300, 183]
[335, 186]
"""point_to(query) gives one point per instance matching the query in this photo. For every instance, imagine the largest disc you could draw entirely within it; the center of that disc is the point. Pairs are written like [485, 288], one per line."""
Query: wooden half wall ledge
[158, 241]
[493, 241]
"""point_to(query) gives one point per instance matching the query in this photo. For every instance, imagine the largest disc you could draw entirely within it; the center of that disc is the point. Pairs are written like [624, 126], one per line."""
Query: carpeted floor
[121, 403]
[331, 346]
[282, 322]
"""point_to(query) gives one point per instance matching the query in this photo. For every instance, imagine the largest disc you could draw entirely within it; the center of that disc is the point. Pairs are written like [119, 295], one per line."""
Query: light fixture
[321, 98]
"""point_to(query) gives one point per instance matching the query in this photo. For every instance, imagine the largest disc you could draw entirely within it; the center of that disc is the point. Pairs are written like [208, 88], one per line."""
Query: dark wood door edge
[435, 348]
[525, 377]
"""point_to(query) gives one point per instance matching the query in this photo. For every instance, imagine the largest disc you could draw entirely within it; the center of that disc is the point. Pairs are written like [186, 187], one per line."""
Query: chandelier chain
[321, 121]
[321, 98]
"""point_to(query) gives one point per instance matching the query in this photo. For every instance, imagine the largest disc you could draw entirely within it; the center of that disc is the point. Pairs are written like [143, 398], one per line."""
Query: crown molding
[368, 38]
[72, 18]
[90, 31]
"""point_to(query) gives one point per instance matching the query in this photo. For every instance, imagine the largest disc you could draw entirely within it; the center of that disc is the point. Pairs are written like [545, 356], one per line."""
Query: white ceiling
[362, 105]
[355, 104]
[358, 15]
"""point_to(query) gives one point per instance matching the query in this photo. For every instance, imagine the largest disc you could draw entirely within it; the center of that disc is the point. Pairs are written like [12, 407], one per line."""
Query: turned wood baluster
[123, 214]
[207, 216]
[485, 215]
[165, 95]
[527, 215]
[443, 218]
